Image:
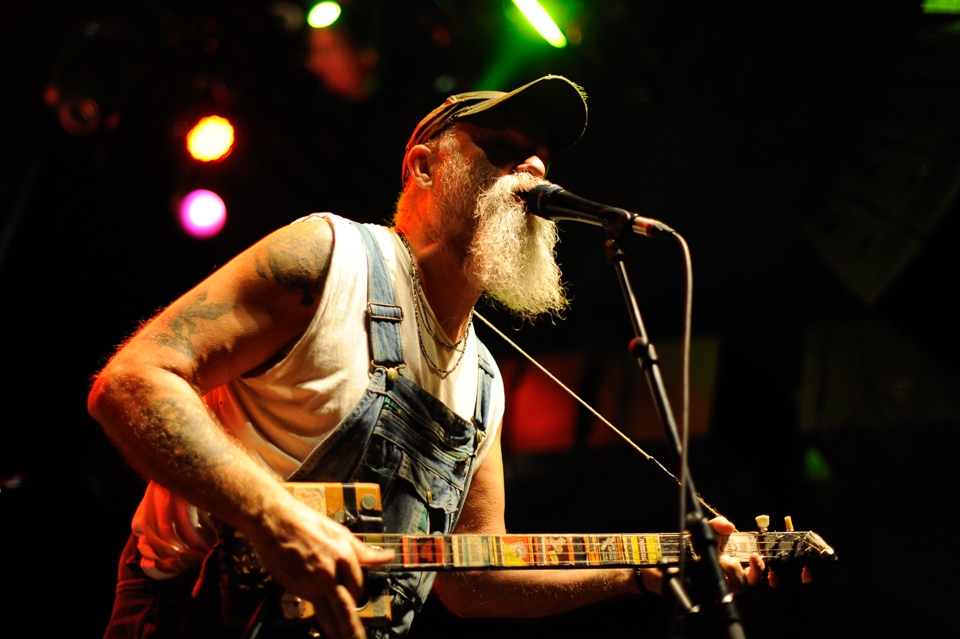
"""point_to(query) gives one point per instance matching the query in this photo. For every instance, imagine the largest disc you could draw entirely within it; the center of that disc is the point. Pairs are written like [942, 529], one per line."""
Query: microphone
[554, 203]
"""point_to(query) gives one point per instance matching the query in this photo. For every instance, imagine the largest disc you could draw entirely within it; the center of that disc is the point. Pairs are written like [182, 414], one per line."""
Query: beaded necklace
[419, 305]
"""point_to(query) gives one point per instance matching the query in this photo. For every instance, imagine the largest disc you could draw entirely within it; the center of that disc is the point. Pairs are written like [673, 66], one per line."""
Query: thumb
[371, 555]
[722, 525]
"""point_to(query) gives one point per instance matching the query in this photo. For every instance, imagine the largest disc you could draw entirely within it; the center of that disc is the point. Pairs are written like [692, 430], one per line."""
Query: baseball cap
[559, 104]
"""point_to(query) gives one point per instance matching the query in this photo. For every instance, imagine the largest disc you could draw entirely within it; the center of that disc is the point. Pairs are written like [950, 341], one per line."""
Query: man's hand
[319, 560]
[738, 577]
[149, 399]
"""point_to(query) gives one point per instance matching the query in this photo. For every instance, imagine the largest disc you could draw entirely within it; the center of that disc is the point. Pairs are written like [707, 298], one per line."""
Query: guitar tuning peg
[788, 522]
[763, 522]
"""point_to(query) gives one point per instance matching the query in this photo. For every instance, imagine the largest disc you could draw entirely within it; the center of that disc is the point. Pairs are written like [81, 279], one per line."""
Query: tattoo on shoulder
[182, 327]
[299, 263]
[169, 424]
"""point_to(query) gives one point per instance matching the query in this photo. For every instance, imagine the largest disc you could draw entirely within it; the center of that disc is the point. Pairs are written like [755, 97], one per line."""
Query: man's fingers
[736, 577]
[722, 525]
[338, 617]
[371, 555]
[349, 570]
[739, 577]
[755, 571]
[652, 580]
[349, 575]
[348, 604]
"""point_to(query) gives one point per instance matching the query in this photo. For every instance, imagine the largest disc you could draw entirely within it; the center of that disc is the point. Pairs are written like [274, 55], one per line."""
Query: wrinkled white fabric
[282, 414]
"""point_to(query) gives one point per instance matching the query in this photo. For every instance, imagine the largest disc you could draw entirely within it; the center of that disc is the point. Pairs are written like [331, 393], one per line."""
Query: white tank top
[282, 414]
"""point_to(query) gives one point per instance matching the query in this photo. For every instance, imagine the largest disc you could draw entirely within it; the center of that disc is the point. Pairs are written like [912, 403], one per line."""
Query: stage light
[93, 75]
[211, 139]
[542, 22]
[817, 466]
[941, 6]
[323, 14]
[202, 214]
[292, 17]
[444, 84]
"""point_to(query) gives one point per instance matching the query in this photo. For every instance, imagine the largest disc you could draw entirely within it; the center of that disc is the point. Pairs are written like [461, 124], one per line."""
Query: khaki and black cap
[554, 101]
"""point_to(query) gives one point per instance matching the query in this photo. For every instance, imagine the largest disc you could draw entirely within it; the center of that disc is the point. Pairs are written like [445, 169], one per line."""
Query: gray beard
[507, 252]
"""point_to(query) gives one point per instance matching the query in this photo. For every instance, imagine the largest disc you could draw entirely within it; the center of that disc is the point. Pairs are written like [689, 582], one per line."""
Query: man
[341, 352]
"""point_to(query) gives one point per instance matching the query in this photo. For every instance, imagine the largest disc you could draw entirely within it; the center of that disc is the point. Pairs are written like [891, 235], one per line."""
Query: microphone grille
[535, 196]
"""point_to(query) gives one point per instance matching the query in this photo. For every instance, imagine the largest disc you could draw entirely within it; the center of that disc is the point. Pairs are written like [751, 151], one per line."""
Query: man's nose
[532, 165]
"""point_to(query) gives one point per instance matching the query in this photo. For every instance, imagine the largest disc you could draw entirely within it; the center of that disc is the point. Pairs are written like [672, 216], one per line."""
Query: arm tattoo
[298, 264]
[169, 425]
[186, 324]
[168, 422]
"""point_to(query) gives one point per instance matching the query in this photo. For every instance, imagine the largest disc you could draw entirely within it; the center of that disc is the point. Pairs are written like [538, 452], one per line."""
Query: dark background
[807, 151]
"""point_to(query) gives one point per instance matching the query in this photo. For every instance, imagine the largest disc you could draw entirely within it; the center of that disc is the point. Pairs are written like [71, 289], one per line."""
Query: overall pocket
[421, 475]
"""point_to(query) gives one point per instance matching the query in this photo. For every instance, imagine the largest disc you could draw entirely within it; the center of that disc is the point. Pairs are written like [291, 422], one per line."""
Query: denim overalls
[399, 436]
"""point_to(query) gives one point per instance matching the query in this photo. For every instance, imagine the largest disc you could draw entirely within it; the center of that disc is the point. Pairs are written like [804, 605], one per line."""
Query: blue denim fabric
[399, 436]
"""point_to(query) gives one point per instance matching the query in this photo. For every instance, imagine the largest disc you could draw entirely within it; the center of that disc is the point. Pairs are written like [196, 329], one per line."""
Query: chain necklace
[419, 306]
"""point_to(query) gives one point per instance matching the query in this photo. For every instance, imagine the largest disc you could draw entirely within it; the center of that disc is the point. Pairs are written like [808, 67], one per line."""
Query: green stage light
[816, 465]
[323, 14]
[542, 22]
[941, 6]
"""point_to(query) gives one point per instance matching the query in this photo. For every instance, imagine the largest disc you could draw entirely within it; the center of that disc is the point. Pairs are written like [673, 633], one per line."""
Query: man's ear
[420, 163]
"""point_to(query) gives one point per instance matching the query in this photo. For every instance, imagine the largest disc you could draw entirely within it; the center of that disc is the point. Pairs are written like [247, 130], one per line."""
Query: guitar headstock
[805, 547]
[791, 545]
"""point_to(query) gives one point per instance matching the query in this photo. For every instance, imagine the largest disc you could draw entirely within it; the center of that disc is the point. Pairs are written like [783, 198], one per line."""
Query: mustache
[516, 184]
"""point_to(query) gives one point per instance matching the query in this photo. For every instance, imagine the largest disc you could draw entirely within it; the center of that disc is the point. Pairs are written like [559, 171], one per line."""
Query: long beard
[507, 252]
[512, 253]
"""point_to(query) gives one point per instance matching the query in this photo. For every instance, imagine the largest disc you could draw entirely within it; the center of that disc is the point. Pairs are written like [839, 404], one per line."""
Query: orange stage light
[211, 139]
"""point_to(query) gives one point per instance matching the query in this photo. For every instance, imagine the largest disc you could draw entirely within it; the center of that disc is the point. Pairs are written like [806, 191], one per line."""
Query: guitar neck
[356, 502]
[485, 552]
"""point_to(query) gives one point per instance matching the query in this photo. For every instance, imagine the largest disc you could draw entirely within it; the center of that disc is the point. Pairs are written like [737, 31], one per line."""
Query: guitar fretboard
[466, 552]
[352, 502]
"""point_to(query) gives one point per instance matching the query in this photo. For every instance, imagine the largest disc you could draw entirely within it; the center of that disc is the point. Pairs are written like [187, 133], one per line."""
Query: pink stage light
[202, 213]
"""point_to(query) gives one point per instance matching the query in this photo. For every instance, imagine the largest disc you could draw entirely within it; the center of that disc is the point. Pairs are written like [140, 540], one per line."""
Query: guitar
[359, 507]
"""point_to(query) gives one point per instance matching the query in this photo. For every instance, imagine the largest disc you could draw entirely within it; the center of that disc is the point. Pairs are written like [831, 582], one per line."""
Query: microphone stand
[702, 534]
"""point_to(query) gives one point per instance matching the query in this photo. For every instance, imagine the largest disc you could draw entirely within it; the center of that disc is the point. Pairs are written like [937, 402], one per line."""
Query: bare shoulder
[297, 257]
[241, 315]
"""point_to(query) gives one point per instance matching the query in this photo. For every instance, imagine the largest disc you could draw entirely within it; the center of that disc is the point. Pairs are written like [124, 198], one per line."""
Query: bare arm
[538, 593]
[149, 401]
[519, 593]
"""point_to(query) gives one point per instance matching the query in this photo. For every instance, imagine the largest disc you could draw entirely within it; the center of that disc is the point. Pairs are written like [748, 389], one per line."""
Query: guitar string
[590, 408]
[667, 542]
[577, 558]
[670, 547]
[584, 561]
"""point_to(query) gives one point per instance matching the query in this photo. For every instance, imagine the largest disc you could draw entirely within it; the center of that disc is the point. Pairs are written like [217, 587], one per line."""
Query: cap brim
[552, 100]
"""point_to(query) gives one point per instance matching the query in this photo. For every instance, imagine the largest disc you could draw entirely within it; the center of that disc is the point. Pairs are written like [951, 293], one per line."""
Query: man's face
[509, 148]
[507, 252]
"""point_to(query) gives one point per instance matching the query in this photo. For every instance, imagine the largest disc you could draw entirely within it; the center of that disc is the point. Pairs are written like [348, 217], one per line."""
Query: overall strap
[383, 314]
[484, 385]
[481, 416]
